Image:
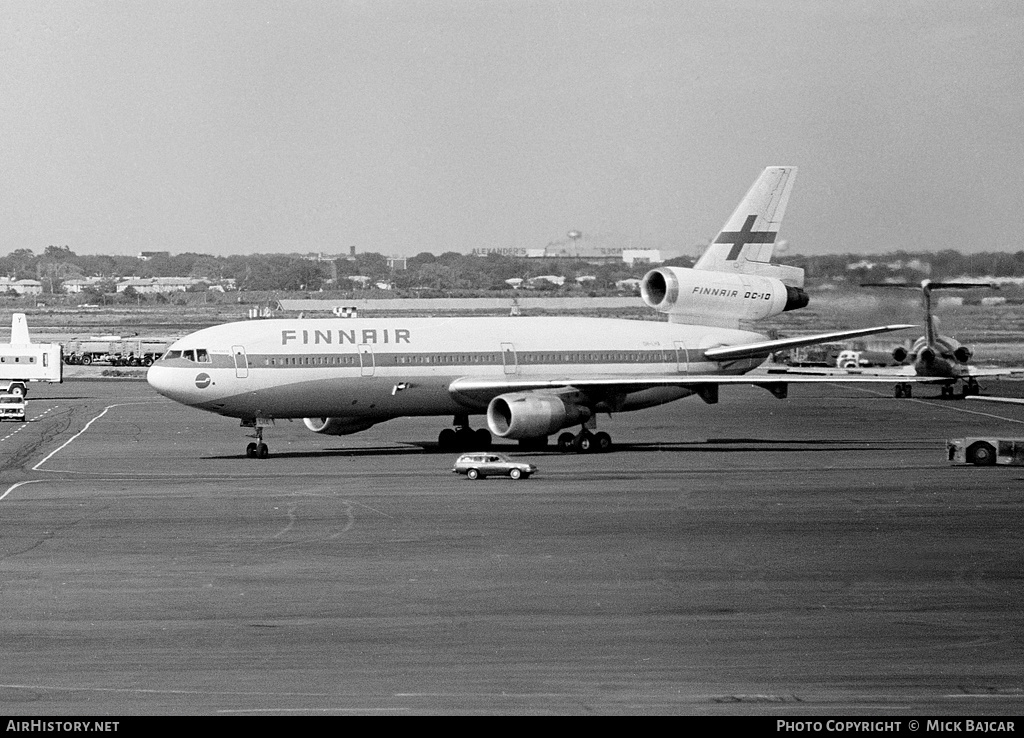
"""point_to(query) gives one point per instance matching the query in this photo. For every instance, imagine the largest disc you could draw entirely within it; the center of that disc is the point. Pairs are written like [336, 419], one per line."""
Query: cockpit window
[188, 355]
[172, 355]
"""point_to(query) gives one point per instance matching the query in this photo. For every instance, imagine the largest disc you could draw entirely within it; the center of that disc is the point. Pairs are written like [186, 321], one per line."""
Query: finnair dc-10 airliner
[531, 377]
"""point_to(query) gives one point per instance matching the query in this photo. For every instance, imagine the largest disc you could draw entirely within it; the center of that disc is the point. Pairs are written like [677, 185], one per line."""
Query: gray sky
[258, 126]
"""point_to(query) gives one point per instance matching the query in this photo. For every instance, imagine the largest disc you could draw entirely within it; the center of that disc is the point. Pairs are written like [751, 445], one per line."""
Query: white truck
[985, 451]
[22, 361]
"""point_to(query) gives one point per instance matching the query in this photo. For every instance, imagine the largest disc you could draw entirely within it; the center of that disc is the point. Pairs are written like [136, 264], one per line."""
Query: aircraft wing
[634, 383]
[891, 373]
[1007, 400]
[763, 348]
[975, 371]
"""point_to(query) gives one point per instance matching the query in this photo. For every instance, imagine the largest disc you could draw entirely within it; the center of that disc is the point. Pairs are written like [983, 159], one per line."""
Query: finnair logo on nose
[202, 381]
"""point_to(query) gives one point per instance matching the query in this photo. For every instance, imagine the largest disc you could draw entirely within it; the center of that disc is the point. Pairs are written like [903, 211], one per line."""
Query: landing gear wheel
[446, 439]
[262, 451]
[584, 443]
[981, 454]
[482, 436]
[250, 450]
[565, 442]
[603, 441]
[515, 473]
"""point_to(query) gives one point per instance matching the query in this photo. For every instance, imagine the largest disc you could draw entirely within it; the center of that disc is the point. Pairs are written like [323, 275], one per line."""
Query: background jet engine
[336, 426]
[899, 354]
[529, 415]
[963, 354]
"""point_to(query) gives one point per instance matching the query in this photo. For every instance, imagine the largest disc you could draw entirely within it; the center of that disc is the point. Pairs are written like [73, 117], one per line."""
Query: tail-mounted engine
[717, 298]
[963, 354]
[899, 354]
[528, 415]
[336, 426]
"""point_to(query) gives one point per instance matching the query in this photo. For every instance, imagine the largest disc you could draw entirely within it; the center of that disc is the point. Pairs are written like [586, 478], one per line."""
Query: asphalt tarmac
[809, 556]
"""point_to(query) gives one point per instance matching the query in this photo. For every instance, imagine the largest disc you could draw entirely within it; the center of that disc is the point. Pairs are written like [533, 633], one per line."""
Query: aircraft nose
[166, 381]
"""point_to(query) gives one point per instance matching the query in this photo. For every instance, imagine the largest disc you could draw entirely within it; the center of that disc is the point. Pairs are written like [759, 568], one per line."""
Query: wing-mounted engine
[720, 299]
[336, 426]
[532, 415]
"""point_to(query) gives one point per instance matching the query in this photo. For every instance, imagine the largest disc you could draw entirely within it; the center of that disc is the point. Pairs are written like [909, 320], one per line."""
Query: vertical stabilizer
[19, 330]
[750, 234]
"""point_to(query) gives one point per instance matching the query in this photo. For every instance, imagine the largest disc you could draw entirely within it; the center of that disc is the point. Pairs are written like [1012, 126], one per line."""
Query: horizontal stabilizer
[928, 285]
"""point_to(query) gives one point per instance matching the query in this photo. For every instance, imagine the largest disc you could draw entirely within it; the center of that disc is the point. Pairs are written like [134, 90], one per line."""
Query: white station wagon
[490, 464]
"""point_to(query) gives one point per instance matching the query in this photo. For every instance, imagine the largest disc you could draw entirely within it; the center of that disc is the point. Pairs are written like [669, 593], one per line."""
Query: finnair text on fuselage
[353, 336]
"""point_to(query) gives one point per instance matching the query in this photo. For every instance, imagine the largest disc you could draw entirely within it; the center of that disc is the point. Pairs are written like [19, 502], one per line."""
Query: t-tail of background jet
[933, 344]
[734, 280]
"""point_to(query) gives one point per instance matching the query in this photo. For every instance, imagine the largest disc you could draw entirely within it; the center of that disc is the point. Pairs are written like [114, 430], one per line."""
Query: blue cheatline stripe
[454, 358]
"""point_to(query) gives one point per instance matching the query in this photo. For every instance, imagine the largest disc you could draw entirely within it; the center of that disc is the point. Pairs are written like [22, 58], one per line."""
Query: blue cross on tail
[740, 238]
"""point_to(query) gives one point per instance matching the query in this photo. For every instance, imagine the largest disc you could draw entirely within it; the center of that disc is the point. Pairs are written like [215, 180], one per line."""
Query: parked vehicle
[114, 350]
[475, 466]
[12, 407]
[22, 361]
[986, 451]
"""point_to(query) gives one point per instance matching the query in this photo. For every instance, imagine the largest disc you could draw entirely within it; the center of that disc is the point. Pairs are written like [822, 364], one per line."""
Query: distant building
[21, 286]
[641, 256]
[591, 255]
[157, 285]
[77, 286]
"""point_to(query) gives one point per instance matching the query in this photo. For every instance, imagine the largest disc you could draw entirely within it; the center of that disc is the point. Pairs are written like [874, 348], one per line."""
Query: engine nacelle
[717, 298]
[336, 426]
[528, 415]
[899, 354]
[963, 354]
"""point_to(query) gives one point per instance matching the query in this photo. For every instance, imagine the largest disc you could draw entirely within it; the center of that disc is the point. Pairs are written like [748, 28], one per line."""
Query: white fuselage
[382, 368]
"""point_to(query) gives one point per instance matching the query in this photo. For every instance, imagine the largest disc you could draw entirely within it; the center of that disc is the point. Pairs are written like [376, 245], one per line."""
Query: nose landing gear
[257, 449]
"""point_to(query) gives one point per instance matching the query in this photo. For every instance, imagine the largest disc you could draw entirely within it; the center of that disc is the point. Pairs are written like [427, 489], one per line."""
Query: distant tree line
[449, 272]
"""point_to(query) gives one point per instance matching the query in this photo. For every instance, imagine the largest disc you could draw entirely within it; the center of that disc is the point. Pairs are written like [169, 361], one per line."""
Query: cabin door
[366, 364]
[508, 358]
[682, 364]
[241, 362]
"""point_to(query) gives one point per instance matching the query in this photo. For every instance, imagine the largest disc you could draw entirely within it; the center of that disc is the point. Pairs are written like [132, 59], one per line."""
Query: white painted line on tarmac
[944, 404]
[19, 484]
[75, 437]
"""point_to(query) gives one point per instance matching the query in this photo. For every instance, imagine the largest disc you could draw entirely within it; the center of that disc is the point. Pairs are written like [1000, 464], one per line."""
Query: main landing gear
[464, 438]
[584, 442]
[258, 449]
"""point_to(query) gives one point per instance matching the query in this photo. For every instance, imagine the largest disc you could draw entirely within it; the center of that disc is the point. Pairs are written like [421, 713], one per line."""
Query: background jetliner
[530, 377]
